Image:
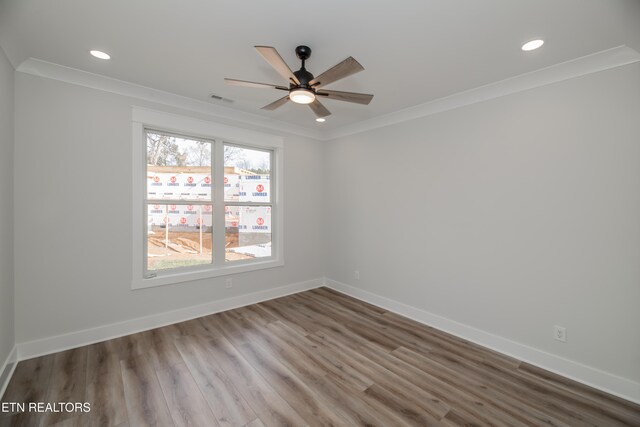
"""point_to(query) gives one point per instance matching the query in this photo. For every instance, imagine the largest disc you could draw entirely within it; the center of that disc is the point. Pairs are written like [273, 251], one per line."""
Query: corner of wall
[7, 369]
[7, 279]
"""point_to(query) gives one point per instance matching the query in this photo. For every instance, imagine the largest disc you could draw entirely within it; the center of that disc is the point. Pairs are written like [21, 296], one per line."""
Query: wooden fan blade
[271, 55]
[319, 109]
[344, 69]
[358, 98]
[245, 83]
[276, 104]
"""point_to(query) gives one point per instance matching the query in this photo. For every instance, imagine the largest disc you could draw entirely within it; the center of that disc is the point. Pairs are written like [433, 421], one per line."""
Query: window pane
[179, 236]
[178, 168]
[247, 175]
[248, 232]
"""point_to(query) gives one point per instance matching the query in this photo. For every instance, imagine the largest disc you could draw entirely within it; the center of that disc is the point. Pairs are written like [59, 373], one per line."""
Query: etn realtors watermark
[42, 407]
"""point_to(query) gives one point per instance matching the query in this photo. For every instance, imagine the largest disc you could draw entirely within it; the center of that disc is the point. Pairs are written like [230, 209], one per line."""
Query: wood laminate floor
[314, 358]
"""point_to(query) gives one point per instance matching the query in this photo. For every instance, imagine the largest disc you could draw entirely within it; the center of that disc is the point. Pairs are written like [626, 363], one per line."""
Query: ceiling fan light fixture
[302, 96]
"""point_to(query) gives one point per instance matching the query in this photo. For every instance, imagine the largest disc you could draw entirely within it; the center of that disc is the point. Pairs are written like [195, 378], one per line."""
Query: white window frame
[144, 119]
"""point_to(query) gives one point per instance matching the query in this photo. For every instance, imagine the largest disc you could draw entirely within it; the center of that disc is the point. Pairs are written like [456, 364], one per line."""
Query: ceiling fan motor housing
[304, 77]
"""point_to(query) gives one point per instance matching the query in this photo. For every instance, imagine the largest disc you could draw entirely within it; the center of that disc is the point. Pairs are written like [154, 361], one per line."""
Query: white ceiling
[413, 51]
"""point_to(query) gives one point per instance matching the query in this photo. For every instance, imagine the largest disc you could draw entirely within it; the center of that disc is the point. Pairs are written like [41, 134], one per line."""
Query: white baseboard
[588, 375]
[7, 369]
[31, 349]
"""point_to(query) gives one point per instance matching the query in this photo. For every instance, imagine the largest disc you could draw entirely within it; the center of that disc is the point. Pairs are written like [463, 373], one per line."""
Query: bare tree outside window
[168, 150]
[233, 154]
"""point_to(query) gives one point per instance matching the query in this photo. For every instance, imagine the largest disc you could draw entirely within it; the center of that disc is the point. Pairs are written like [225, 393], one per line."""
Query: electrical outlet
[560, 333]
[356, 274]
[229, 283]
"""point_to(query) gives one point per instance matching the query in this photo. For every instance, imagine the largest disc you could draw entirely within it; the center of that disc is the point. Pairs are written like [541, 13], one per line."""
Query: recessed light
[532, 45]
[321, 119]
[100, 55]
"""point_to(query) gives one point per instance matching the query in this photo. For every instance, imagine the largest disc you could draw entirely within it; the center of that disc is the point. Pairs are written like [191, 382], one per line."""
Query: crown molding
[599, 61]
[53, 71]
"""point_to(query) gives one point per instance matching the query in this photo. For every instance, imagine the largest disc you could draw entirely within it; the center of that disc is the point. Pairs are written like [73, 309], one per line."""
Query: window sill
[175, 278]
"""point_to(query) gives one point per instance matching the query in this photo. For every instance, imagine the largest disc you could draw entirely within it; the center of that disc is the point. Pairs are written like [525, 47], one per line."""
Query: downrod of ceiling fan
[303, 76]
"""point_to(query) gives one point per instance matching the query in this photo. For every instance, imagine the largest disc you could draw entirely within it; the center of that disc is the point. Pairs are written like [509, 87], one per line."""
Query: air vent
[220, 98]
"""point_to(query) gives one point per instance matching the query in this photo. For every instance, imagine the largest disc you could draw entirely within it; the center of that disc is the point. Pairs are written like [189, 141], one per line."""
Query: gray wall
[510, 215]
[73, 231]
[631, 10]
[7, 340]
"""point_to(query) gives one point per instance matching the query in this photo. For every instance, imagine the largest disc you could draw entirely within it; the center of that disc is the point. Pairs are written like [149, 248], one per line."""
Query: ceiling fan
[303, 87]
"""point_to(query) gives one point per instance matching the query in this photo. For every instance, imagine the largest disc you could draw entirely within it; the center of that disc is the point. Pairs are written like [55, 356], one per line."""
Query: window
[179, 202]
[210, 199]
[247, 197]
